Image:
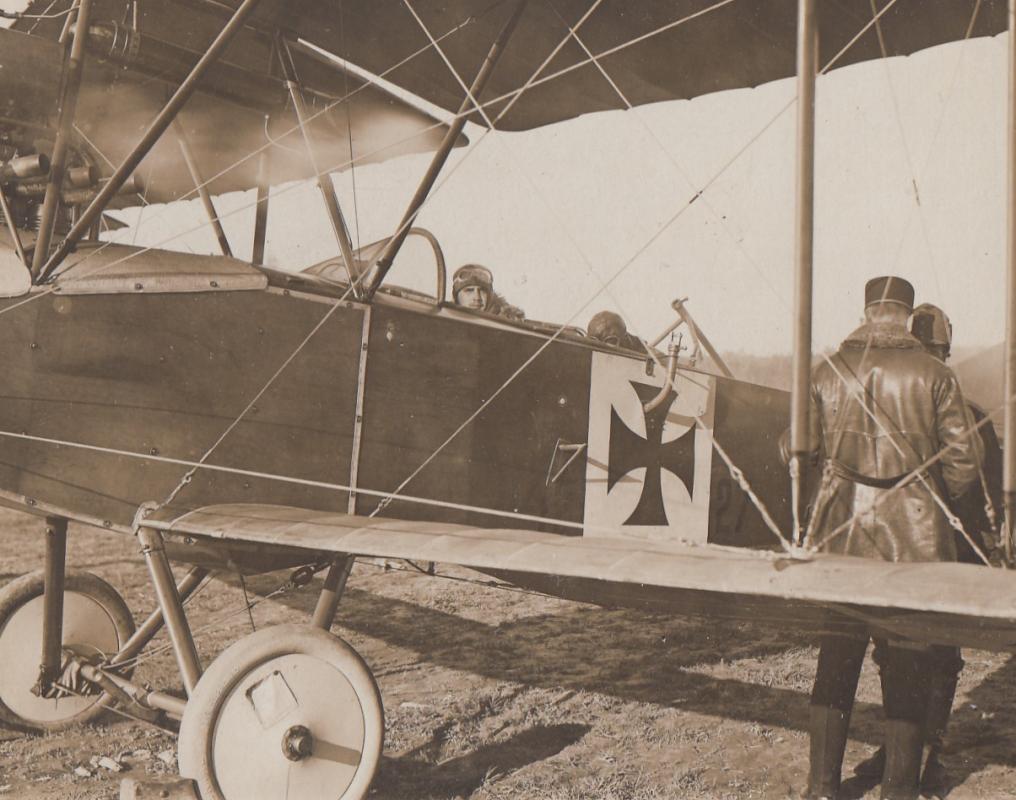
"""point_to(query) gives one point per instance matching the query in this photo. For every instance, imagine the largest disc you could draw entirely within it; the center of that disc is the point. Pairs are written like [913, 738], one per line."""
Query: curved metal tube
[442, 269]
[668, 384]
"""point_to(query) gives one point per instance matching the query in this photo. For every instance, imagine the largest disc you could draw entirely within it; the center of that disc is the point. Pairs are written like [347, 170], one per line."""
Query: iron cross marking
[630, 451]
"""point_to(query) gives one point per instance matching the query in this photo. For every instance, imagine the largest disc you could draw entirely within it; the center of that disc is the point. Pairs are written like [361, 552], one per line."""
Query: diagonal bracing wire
[512, 95]
[918, 473]
[517, 94]
[868, 343]
[927, 464]
[617, 274]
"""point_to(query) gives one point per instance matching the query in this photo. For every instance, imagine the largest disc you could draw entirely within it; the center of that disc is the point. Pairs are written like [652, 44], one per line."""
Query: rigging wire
[605, 287]
[737, 474]
[950, 94]
[868, 344]
[44, 15]
[188, 475]
[517, 95]
[924, 466]
[141, 196]
[349, 126]
[270, 142]
[512, 95]
[906, 147]
[919, 473]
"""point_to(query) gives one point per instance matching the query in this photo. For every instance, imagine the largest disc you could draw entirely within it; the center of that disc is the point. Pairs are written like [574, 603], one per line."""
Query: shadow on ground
[634, 656]
[411, 775]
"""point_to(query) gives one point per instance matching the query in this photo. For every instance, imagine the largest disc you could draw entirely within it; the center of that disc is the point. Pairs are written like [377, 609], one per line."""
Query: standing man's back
[897, 446]
[885, 408]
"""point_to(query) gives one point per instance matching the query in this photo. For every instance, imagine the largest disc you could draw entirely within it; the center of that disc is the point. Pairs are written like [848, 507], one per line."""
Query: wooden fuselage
[100, 388]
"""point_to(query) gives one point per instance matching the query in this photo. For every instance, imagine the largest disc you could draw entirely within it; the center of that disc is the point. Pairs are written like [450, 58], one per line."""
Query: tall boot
[873, 766]
[828, 729]
[940, 701]
[904, 743]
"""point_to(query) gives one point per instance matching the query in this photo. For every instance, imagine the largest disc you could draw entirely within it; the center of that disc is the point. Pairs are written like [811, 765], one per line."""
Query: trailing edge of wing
[890, 595]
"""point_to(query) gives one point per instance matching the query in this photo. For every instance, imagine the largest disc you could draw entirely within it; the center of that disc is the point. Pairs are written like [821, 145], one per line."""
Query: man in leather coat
[977, 511]
[893, 431]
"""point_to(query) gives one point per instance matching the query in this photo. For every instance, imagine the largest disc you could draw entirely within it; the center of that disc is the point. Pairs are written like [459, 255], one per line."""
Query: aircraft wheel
[289, 711]
[96, 621]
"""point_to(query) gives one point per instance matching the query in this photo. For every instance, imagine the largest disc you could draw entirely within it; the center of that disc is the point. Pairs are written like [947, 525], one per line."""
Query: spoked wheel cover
[96, 622]
[269, 690]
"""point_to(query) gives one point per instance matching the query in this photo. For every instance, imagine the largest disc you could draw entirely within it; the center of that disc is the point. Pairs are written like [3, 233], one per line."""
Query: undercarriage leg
[172, 608]
[52, 604]
[331, 592]
[151, 626]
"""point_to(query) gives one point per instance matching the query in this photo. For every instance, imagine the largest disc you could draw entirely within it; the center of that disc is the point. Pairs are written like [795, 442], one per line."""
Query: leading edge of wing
[960, 589]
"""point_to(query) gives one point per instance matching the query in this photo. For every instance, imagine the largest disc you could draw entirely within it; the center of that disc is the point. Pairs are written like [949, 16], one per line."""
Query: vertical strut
[807, 58]
[58, 163]
[331, 592]
[1009, 440]
[158, 127]
[172, 608]
[324, 179]
[387, 257]
[5, 209]
[53, 603]
[199, 184]
[261, 211]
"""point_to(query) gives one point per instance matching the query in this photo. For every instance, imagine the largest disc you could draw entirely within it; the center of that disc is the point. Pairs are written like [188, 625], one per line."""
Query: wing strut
[807, 61]
[1009, 441]
[261, 211]
[155, 131]
[324, 179]
[5, 209]
[387, 257]
[202, 189]
[68, 106]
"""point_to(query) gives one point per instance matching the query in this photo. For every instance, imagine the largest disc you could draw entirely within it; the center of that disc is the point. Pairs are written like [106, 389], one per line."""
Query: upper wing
[652, 51]
[240, 109]
[947, 603]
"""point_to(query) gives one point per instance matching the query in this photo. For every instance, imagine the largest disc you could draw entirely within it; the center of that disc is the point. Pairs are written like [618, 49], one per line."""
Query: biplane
[237, 417]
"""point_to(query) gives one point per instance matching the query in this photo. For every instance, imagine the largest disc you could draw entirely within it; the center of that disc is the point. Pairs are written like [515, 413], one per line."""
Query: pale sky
[547, 209]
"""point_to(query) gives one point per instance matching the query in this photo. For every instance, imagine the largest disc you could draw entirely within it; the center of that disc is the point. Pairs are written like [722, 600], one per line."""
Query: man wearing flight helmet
[610, 328]
[979, 508]
[977, 511]
[473, 288]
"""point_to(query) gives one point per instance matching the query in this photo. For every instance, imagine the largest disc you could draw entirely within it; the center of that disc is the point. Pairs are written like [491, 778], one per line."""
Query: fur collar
[881, 335]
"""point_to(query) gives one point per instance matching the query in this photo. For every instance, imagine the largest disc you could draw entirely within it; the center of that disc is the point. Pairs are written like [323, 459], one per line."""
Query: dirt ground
[495, 694]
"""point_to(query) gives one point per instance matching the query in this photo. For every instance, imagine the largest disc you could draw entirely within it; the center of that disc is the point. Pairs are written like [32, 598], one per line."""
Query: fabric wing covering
[240, 108]
[690, 47]
[663, 50]
[958, 604]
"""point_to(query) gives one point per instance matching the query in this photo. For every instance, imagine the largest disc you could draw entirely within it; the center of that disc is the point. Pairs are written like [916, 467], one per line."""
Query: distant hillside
[764, 370]
[980, 371]
[982, 374]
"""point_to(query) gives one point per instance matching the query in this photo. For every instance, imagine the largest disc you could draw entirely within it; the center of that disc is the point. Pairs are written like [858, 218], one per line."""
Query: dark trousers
[905, 674]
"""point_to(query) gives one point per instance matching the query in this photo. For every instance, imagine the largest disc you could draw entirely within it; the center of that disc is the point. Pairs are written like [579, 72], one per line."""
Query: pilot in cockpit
[473, 288]
[610, 328]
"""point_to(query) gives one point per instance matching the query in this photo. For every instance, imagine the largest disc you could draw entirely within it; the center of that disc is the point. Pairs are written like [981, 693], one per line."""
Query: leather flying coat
[866, 493]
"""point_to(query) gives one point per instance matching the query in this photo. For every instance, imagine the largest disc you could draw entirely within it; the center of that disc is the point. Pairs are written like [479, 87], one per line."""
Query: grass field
[496, 694]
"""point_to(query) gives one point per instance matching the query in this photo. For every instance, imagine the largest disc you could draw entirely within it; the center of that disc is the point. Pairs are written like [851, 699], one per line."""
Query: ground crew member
[609, 328]
[872, 503]
[473, 288]
[930, 325]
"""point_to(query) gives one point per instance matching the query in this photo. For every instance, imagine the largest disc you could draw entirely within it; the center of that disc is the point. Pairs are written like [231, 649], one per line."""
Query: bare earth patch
[493, 694]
